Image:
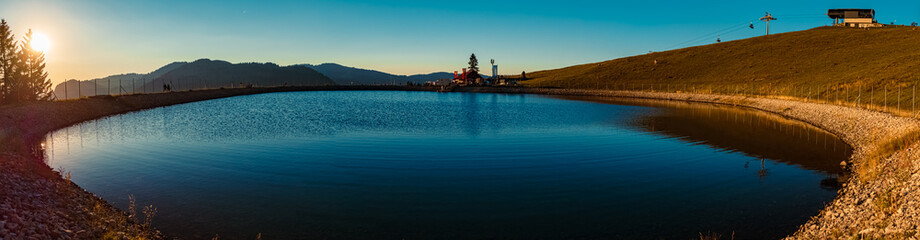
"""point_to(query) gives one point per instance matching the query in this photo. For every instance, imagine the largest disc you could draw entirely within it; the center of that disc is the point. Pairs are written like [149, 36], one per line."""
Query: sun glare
[40, 42]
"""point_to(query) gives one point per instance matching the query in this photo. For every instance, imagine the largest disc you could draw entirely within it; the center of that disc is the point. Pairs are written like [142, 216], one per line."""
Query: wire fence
[108, 87]
[899, 99]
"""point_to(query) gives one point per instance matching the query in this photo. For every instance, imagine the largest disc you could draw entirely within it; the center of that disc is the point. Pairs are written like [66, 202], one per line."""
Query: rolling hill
[345, 75]
[116, 84]
[203, 73]
[206, 73]
[824, 62]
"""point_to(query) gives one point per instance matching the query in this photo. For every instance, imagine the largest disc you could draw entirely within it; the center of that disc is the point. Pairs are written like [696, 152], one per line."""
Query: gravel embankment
[880, 200]
[37, 203]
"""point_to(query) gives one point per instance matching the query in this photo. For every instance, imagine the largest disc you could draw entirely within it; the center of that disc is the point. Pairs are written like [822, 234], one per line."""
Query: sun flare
[40, 42]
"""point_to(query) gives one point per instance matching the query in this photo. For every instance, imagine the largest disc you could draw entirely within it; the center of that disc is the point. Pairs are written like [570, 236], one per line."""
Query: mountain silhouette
[206, 73]
[200, 74]
[114, 85]
[344, 75]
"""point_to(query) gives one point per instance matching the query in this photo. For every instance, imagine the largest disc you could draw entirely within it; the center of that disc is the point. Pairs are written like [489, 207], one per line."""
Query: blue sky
[99, 38]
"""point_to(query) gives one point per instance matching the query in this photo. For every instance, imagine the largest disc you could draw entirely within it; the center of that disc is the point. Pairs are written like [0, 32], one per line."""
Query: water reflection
[765, 136]
[471, 115]
[428, 165]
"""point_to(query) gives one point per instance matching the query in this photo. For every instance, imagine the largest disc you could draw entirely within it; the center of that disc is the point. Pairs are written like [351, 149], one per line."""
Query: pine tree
[34, 84]
[474, 64]
[7, 61]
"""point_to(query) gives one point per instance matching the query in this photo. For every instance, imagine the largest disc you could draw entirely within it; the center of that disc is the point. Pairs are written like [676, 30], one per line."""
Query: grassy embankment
[876, 69]
[847, 66]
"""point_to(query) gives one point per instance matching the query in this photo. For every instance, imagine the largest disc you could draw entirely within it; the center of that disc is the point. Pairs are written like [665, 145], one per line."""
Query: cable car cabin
[853, 17]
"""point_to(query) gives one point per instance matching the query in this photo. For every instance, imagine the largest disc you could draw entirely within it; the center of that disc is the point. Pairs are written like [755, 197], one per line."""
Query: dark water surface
[421, 165]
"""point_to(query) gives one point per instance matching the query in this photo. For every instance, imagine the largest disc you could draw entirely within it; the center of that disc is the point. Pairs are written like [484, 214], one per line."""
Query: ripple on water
[454, 165]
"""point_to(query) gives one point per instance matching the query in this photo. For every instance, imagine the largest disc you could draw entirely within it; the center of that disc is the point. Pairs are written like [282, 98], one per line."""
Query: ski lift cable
[705, 37]
[734, 28]
[721, 34]
[802, 14]
[726, 33]
[805, 17]
[722, 30]
[746, 24]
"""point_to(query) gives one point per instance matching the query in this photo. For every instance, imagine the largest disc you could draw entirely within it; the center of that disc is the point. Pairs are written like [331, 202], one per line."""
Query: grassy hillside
[826, 62]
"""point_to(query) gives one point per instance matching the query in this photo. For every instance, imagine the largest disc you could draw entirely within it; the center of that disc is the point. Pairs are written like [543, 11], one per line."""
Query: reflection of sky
[305, 115]
[420, 164]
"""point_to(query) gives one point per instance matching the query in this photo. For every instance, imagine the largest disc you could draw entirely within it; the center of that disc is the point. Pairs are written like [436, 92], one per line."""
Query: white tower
[494, 69]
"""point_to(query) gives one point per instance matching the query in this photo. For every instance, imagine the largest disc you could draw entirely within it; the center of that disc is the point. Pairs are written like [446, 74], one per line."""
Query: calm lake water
[421, 165]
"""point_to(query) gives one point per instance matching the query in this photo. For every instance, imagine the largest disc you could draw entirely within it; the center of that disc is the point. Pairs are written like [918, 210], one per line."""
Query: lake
[422, 165]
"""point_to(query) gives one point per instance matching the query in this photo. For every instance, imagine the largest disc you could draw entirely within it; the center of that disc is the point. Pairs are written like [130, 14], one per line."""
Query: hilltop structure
[468, 77]
[853, 17]
[471, 76]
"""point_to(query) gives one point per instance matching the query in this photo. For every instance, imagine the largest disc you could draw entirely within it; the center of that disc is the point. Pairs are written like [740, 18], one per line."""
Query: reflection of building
[853, 17]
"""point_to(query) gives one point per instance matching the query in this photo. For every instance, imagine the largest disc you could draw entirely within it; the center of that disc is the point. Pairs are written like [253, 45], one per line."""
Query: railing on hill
[900, 99]
[84, 89]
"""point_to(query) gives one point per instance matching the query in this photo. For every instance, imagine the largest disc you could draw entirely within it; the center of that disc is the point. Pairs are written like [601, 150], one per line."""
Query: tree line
[22, 69]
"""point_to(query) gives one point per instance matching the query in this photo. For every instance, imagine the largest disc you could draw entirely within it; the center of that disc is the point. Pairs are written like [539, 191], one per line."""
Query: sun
[40, 42]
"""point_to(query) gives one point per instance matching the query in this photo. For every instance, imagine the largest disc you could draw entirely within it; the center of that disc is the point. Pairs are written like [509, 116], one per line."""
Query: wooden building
[852, 17]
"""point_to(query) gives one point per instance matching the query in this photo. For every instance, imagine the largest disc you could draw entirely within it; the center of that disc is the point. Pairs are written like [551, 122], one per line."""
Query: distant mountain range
[116, 84]
[206, 73]
[344, 75]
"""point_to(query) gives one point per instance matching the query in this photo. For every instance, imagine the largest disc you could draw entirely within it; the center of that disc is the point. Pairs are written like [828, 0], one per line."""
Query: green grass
[846, 66]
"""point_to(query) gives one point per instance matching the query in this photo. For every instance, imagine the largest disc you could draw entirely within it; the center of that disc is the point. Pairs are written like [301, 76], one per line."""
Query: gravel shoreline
[881, 199]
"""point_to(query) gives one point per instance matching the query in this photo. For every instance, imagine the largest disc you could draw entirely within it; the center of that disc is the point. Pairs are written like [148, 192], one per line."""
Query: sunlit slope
[817, 58]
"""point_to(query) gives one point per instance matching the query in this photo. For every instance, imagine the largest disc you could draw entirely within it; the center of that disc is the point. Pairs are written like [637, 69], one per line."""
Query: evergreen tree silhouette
[474, 64]
[7, 61]
[34, 84]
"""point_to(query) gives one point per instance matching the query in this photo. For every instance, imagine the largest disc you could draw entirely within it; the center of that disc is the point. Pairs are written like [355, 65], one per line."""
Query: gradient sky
[93, 39]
